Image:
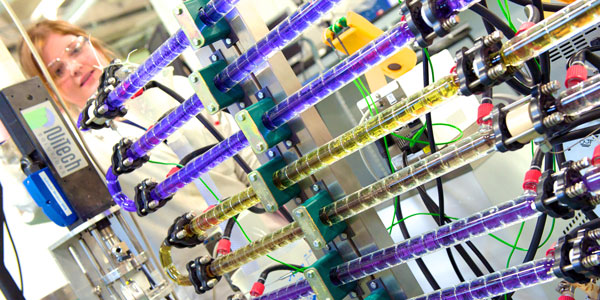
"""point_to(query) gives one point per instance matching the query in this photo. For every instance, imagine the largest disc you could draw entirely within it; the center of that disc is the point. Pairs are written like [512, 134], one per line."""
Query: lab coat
[228, 177]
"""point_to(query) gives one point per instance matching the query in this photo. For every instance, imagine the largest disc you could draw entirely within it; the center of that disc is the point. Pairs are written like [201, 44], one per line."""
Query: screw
[153, 204]
[108, 89]
[212, 108]
[128, 162]
[270, 207]
[181, 234]
[289, 143]
[582, 164]
[550, 87]
[204, 259]
[179, 11]
[260, 95]
[493, 38]
[594, 234]
[553, 119]
[298, 213]
[497, 71]
[228, 41]
[260, 146]
[576, 190]
[310, 274]
[195, 78]
[241, 116]
[271, 153]
[214, 57]
[253, 177]
[197, 42]
[595, 200]
[373, 285]
[343, 236]
[317, 244]
[211, 283]
[315, 187]
[591, 261]
[102, 109]
[242, 105]
[450, 22]
[111, 80]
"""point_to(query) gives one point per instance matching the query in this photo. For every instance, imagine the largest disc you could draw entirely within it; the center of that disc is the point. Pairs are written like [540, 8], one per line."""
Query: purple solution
[294, 291]
[215, 10]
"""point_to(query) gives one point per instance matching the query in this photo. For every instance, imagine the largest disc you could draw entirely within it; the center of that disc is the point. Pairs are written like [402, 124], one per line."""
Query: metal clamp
[315, 232]
[250, 122]
[318, 278]
[270, 196]
[187, 24]
[212, 98]
[121, 162]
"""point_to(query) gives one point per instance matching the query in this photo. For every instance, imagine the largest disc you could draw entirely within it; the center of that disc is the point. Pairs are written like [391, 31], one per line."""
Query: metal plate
[250, 130]
[203, 92]
[262, 191]
[317, 284]
[187, 24]
[309, 228]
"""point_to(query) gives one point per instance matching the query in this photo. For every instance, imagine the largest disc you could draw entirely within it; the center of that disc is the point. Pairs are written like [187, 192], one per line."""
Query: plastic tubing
[216, 10]
[580, 98]
[294, 291]
[280, 238]
[275, 40]
[368, 131]
[498, 283]
[341, 74]
[556, 28]
[166, 262]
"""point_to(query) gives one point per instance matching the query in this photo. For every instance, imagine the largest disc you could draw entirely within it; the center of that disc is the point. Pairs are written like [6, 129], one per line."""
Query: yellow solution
[166, 261]
[256, 249]
[368, 131]
[449, 159]
[223, 211]
[557, 28]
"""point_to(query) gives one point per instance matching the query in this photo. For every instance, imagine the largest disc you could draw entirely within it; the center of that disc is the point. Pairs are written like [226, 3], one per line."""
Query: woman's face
[73, 66]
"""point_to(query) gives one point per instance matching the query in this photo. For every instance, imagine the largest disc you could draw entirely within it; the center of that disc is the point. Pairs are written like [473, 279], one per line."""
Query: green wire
[506, 13]
[234, 218]
[513, 250]
[430, 64]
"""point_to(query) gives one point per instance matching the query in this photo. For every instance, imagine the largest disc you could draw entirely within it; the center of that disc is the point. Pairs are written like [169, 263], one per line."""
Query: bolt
[123, 109]
[493, 38]
[228, 41]
[195, 78]
[353, 295]
[211, 283]
[310, 274]
[260, 147]
[550, 87]
[212, 108]
[343, 236]
[148, 181]
[497, 71]
[204, 259]
[181, 234]
[197, 42]
[179, 11]
[591, 261]
[241, 116]
[253, 177]
[315, 187]
[102, 109]
[373, 285]
[289, 143]
[450, 22]
[128, 162]
[153, 204]
[317, 244]
[190, 215]
[298, 213]
[108, 89]
[594, 234]
[242, 105]
[582, 164]
[214, 57]
[575, 190]
[111, 80]
[260, 95]
[553, 119]
[271, 153]
[270, 207]
[595, 200]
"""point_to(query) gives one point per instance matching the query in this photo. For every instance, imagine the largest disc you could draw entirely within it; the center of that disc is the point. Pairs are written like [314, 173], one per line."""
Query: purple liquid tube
[215, 10]
[114, 188]
[293, 291]
[275, 40]
[341, 74]
[498, 283]
[200, 165]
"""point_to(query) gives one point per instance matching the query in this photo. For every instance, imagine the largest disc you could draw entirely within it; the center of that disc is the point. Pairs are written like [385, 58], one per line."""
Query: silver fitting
[591, 261]
[582, 164]
[553, 119]
[449, 23]
[496, 71]
[211, 283]
[550, 87]
[181, 234]
[493, 38]
[575, 190]
[153, 204]
[204, 259]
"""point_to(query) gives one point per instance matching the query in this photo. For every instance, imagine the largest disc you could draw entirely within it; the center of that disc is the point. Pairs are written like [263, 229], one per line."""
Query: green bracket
[378, 294]
[315, 232]
[320, 282]
[187, 15]
[250, 122]
[212, 98]
[270, 196]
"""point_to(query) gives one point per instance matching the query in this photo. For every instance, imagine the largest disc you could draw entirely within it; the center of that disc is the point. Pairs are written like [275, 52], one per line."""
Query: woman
[75, 61]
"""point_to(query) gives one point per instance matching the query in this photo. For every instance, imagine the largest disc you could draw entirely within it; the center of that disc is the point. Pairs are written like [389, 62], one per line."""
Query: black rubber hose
[575, 135]
[263, 276]
[586, 54]
[213, 131]
[538, 158]
[229, 226]
[559, 154]
[551, 7]
[535, 238]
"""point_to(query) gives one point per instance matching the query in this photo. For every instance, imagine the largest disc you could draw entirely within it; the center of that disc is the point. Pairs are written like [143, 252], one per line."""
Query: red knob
[483, 111]
[257, 289]
[575, 74]
[209, 208]
[524, 27]
[532, 177]
[565, 297]
[596, 157]
[224, 247]
[172, 171]
[137, 94]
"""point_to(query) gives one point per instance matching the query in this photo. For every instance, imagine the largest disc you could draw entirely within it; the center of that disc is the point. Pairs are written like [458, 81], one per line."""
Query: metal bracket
[125, 268]
[187, 15]
[270, 196]
[316, 233]
[318, 278]
[250, 122]
[187, 24]
[212, 98]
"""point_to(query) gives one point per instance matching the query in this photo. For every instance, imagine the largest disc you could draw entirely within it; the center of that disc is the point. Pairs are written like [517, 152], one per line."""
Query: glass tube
[215, 10]
[294, 291]
[223, 211]
[457, 232]
[162, 57]
[341, 74]
[278, 239]
[448, 159]
[580, 98]
[558, 27]
[200, 165]
[498, 283]
[368, 132]
[166, 261]
[275, 40]
[165, 127]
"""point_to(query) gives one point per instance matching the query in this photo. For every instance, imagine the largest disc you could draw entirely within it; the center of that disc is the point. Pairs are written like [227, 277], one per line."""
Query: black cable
[538, 158]
[263, 276]
[590, 214]
[551, 7]
[7, 284]
[229, 226]
[213, 131]
[286, 214]
[575, 135]
[559, 153]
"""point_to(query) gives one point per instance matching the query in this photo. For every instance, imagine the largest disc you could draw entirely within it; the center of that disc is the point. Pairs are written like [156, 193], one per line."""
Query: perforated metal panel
[560, 54]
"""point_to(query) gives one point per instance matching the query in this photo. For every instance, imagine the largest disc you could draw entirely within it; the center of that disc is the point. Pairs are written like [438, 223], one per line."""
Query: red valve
[596, 157]
[532, 177]
[575, 74]
[224, 247]
[257, 289]
[172, 171]
[483, 111]
[524, 27]
[565, 297]
[137, 94]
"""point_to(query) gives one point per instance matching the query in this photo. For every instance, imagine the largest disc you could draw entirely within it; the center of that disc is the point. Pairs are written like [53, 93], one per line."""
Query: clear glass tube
[276, 39]
[580, 98]
[256, 249]
[200, 165]
[341, 74]
[558, 27]
[368, 131]
[162, 57]
[478, 224]
[448, 159]
[166, 261]
[223, 211]
[215, 10]
[498, 283]
[294, 291]
[165, 127]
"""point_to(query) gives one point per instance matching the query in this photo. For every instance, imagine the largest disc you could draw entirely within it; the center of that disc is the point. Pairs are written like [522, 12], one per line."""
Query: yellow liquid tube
[450, 158]
[368, 131]
[256, 249]
[555, 29]
[166, 261]
[223, 211]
